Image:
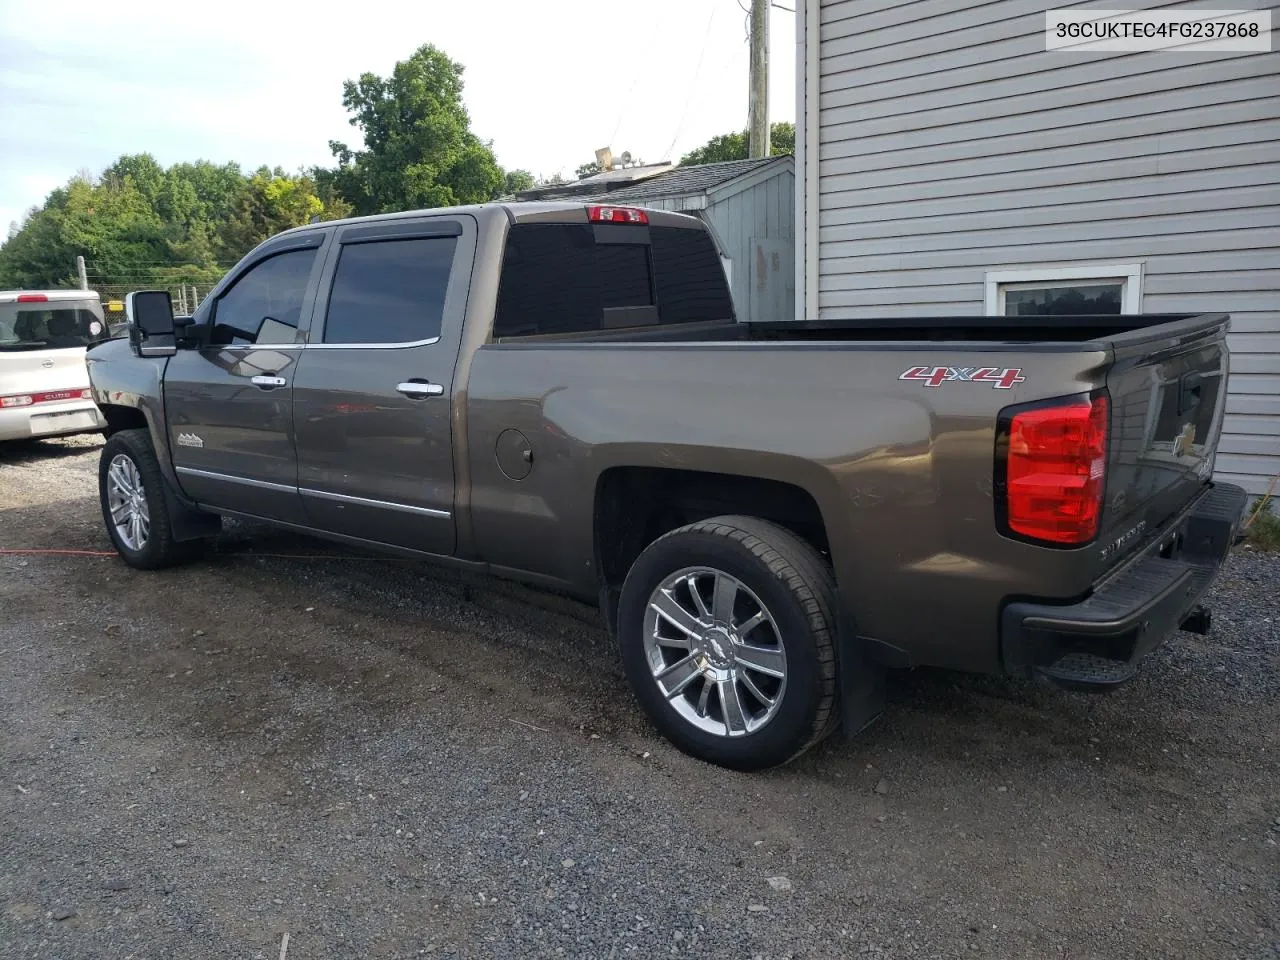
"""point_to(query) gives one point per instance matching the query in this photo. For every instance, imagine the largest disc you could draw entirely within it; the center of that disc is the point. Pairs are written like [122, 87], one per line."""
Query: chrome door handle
[419, 390]
[269, 383]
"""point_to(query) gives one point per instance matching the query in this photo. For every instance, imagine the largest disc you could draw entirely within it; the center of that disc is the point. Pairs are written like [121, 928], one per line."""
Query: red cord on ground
[60, 553]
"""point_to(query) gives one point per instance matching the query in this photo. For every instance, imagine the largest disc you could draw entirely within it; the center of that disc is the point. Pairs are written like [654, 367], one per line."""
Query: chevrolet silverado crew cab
[769, 515]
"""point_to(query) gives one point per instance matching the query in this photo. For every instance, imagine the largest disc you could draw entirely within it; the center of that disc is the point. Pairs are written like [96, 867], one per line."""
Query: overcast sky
[83, 81]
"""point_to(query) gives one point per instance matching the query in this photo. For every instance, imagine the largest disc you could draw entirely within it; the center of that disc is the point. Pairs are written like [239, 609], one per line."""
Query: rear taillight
[50, 396]
[32, 298]
[1051, 470]
[617, 215]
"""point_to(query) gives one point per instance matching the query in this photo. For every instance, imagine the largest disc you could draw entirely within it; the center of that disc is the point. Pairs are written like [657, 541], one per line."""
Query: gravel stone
[403, 690]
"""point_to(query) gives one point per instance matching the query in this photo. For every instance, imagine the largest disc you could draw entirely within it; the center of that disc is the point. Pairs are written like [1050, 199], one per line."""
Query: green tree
[517, 180]
[141, 225]
[588, 170]
[268, 202]
[734, 146]
[140, 169]
[419, 150]
[110, 223]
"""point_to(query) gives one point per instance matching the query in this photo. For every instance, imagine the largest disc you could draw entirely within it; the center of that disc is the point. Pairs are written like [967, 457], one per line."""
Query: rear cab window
[560, 278]
[50, 325]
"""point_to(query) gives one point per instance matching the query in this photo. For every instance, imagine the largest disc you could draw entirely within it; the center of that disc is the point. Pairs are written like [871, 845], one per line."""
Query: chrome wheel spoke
[749, 624]
[767, 660]
[735, 719]
[120, 479]
[691, 582]
[676, 678]
[120, 513]
[722, 603]
[754, 689]
[704, 698]
[668, 607]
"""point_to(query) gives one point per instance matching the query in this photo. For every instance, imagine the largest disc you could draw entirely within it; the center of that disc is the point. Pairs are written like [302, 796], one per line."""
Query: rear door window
[578, 278]
[390, 291]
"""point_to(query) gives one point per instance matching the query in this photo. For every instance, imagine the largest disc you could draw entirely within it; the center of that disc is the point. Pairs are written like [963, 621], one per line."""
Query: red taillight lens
[616, 215]
[50, 396]
[1055, 471]
[32, 298]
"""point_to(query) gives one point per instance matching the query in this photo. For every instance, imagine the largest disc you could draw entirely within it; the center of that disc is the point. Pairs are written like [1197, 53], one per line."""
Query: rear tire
[745, 610]
[131, 490]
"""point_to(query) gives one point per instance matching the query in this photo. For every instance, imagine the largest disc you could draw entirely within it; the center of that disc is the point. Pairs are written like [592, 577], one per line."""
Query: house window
[1055, 291]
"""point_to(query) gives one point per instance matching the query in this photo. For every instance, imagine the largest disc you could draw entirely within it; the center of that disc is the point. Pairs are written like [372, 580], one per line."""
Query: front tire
[132, 494]
[727, 631]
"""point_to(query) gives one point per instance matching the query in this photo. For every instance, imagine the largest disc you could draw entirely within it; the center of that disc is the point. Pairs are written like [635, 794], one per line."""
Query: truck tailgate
[1168, 395]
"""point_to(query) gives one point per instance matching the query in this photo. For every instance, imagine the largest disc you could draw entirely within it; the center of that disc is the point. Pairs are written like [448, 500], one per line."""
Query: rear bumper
[1098, 640]
[50, 420]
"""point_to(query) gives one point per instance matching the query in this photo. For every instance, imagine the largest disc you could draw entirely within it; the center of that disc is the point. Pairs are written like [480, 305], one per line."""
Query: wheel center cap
[717, 647]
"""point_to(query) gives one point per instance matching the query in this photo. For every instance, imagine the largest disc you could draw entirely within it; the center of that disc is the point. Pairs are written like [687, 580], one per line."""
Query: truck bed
[1042, 331]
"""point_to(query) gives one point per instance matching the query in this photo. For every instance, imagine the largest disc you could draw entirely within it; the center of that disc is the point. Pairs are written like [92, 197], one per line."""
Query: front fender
[121, 379]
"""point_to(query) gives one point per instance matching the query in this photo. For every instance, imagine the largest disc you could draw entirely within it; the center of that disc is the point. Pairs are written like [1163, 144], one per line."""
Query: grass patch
[1264, 531]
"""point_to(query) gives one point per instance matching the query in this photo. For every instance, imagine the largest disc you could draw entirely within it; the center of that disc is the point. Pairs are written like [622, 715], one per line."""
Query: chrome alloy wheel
[127, 501]
[715, 651]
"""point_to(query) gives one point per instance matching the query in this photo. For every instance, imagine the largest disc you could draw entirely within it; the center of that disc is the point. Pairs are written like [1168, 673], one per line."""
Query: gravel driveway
[382, 760]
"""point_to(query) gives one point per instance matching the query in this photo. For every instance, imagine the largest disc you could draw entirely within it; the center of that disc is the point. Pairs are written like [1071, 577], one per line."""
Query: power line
[693, 86]
[658, 24]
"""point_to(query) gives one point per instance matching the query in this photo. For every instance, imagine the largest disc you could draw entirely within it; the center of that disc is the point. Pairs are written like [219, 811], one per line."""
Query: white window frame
[1128, 274]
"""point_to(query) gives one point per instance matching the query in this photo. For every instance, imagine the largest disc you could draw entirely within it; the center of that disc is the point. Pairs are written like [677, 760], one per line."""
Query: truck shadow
[54, 448]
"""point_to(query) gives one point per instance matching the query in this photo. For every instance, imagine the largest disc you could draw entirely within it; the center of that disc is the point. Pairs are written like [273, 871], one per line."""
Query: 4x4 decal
[1000, 379]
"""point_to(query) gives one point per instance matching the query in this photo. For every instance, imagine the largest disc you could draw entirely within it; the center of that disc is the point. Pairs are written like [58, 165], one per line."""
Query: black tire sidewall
[159, 548]
[793, 727]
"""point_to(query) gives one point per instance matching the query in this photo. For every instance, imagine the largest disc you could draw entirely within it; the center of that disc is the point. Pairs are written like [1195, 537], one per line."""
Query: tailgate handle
[1189, 388]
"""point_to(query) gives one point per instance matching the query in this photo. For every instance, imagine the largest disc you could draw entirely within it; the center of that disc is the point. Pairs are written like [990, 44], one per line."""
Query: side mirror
[150, 314]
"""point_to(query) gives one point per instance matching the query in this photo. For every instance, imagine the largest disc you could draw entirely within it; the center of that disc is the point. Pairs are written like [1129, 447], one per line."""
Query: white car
[44, 383]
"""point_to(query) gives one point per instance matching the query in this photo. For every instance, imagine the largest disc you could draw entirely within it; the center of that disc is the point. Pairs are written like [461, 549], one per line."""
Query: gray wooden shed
[750, 207]
[951, 165]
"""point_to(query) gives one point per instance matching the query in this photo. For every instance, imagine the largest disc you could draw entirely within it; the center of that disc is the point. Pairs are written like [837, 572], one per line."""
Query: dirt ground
[380, 759]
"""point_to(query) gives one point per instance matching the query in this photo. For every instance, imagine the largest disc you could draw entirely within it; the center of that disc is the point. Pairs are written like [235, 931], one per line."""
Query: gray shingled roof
[685, 181]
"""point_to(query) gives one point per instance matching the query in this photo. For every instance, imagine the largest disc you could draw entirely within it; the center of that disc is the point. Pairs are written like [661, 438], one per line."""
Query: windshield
[50, 326]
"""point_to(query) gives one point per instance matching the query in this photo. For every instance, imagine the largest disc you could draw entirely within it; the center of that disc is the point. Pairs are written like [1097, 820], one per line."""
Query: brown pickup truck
[769, 515]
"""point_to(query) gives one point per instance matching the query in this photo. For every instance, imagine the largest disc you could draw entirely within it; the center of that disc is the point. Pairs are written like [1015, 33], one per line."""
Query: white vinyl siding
[950, 145]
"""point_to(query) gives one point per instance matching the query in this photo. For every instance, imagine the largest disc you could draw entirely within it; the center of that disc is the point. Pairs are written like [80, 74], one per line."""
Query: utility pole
[758, 145]
[84, 277]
